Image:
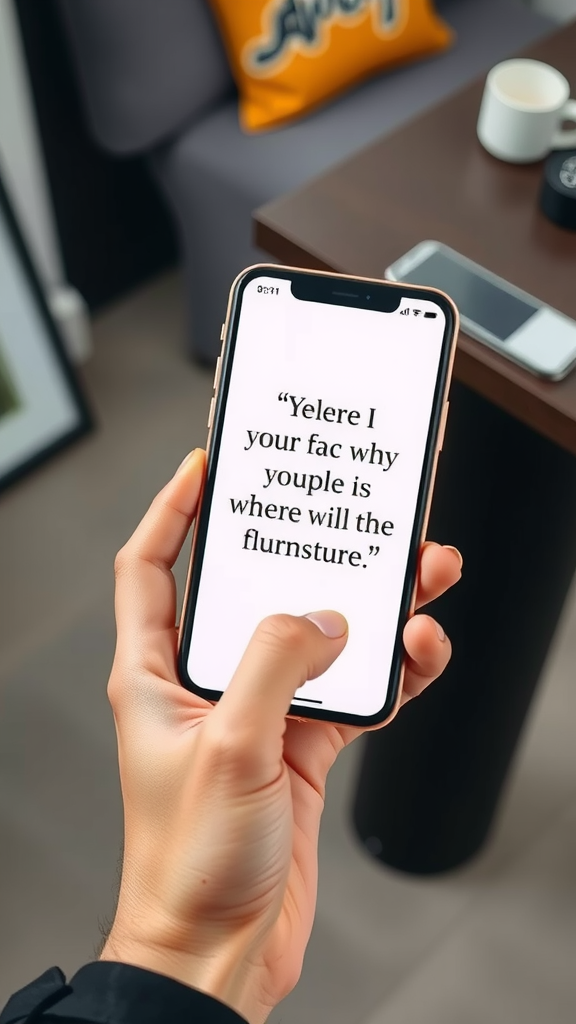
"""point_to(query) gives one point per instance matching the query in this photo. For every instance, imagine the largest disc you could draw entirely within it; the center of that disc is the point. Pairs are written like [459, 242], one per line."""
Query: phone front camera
[367, 298]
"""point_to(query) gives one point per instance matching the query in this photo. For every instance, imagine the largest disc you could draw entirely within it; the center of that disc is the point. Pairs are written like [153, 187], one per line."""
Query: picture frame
[42, 406]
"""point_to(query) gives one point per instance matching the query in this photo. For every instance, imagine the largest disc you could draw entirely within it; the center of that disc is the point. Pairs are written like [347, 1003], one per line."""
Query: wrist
[225, 975]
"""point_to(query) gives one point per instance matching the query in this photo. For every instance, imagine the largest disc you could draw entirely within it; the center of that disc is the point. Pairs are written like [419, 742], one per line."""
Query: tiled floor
[495, 942]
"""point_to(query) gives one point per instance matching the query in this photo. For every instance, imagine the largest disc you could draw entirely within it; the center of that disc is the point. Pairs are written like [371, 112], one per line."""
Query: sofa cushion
[215, 152]
[288, 56]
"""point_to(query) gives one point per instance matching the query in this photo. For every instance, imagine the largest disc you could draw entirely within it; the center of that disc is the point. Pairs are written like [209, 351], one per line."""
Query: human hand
[222, 804]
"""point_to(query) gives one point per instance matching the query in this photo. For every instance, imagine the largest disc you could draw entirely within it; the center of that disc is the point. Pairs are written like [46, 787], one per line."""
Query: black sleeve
[112, 993]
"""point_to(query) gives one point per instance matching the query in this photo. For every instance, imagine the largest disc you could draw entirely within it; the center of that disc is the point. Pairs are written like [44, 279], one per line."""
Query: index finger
[145, 590]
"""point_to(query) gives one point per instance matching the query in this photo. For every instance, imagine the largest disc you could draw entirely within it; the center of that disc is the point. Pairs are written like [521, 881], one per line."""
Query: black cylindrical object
[430, 782]
[558, 193]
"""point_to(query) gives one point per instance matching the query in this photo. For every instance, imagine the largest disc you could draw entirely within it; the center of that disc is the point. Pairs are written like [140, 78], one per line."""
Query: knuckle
[112, 693]
[115, 690]
[133, 694]
[122, 562]
[281, 634]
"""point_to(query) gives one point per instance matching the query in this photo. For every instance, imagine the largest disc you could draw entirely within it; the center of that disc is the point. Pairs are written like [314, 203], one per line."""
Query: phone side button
[211, 413]
[223, 331]
[443, 426]
[216, 380]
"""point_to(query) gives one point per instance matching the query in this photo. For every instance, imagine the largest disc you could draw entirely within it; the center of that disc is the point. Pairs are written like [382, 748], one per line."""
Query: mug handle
[565, 138]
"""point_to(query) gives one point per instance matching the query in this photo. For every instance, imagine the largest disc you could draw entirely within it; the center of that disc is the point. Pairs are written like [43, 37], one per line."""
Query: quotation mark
[372, 551]
[283, 396]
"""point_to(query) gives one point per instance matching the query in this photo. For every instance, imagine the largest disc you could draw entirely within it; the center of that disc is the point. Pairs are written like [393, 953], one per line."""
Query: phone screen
[317, 465]
[477, 298]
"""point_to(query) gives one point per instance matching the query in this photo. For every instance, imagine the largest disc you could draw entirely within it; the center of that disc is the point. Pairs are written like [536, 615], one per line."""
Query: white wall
[20, 151]
[23, 169]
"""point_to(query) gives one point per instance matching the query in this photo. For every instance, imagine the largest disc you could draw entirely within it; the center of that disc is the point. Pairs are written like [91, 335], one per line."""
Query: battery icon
[430, 316]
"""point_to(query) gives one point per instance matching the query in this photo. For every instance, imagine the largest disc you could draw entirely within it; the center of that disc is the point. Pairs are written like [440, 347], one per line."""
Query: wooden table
[432, 179]
[506, 487]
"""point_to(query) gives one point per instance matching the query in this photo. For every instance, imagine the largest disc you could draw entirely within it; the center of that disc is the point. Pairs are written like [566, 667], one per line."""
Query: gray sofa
[155, 81]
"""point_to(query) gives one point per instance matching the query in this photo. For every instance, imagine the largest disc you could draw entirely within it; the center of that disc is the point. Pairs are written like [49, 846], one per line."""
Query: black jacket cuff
[113, 993]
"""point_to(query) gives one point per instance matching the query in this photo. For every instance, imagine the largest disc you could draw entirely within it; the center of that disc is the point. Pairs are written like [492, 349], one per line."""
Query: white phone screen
[319, 467]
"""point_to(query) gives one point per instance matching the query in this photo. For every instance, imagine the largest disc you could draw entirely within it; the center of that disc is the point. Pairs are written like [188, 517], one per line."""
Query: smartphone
[329, 406]
[509, 320]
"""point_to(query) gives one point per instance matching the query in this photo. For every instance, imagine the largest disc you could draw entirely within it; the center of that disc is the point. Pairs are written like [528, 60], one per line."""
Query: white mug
[523, 106]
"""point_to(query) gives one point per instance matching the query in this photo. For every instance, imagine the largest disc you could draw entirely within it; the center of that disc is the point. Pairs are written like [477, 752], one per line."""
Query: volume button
[222, 331]
[217, 374]
[442, 430]
[211, 412]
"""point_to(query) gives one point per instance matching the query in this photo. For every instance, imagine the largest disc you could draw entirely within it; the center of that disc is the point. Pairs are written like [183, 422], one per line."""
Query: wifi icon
[416, 312]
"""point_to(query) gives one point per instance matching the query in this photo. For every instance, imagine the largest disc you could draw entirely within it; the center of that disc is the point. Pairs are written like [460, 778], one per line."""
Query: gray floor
[492, 943]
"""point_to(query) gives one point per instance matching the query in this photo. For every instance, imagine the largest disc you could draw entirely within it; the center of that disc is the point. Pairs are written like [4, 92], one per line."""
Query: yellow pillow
[289, 56]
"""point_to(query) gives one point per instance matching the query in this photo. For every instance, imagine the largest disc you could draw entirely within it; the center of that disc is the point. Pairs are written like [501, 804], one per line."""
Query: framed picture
[41, 405]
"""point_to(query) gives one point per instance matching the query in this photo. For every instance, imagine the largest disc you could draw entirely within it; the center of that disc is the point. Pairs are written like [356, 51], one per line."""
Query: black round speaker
[558, 194]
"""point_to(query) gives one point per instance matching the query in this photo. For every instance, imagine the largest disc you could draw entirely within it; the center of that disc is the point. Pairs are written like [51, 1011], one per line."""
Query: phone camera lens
[367, 298]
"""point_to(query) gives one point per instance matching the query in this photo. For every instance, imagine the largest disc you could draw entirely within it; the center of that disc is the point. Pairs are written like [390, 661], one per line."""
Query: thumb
[284, 652]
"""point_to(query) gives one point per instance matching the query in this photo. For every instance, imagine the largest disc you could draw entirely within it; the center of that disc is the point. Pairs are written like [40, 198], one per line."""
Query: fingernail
[456, 552]
[332, 624]
[186, 460]
[440, 631]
